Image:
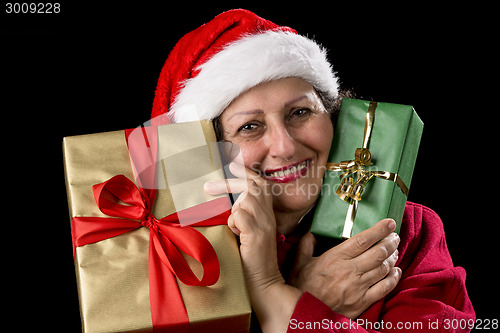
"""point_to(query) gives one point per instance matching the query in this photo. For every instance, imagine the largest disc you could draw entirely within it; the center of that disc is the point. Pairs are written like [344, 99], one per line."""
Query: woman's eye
[300, 112]
[247, 127]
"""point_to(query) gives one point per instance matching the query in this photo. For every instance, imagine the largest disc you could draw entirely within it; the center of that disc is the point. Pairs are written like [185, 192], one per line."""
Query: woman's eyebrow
[295, 100]
[257, 111]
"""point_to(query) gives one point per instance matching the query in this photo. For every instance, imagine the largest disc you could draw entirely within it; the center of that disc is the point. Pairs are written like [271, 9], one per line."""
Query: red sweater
[431, 296]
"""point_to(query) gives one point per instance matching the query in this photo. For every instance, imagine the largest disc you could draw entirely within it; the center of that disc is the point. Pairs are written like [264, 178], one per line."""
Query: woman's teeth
[286, 172]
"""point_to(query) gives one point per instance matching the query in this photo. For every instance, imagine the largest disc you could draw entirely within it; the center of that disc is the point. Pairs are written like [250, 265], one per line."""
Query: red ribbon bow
[167, 237]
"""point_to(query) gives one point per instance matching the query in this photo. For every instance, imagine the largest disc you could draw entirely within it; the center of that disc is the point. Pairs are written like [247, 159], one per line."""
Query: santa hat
[212, 65]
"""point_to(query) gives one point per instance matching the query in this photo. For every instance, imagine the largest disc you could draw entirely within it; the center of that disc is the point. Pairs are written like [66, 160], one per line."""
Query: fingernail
[392, 225]
[208, 186]
[233, 167]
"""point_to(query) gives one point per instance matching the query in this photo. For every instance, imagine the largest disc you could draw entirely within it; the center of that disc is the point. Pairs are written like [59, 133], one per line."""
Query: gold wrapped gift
[113, 274]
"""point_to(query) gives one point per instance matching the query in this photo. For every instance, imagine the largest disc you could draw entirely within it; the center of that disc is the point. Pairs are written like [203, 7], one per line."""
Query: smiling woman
[273, 94]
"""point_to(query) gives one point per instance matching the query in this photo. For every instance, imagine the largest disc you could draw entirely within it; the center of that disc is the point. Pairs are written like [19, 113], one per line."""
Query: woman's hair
[331, 105]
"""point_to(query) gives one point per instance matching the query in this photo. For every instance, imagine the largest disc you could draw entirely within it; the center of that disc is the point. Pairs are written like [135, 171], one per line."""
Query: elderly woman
[273, 94]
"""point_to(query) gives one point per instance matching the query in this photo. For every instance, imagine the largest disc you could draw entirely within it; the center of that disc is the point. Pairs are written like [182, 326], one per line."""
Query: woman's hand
[252, 218]
[353, 275]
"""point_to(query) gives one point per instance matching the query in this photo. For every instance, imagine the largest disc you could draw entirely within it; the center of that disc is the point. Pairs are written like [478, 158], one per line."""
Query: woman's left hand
[353, 275]
[252, 219]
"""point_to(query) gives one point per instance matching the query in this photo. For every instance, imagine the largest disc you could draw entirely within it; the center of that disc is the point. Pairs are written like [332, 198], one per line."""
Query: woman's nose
[280, 143]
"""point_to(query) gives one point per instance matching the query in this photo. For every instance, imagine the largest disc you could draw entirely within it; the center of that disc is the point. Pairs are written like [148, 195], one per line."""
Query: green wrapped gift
[370, 167]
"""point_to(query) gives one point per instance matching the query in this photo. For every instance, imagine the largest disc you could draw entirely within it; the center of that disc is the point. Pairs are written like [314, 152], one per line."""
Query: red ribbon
[167, 236]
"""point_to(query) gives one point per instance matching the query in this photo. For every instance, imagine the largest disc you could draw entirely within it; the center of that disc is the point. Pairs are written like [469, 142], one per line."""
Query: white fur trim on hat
[247, 62]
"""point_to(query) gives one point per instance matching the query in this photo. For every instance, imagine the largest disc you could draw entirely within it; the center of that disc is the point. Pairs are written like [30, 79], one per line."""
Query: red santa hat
[212, 65]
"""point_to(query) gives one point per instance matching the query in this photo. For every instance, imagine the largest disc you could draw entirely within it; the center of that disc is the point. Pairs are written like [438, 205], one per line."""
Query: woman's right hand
[351, 276]
[252, 219]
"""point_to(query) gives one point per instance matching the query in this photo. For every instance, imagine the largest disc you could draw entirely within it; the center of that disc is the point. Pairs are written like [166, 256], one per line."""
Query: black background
[94, 67]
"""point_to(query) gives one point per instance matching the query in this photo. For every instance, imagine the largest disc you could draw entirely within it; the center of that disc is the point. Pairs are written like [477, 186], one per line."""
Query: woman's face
[284, 134]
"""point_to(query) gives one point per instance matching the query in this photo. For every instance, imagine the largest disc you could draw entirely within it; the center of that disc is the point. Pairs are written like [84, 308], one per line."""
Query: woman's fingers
[384, 286]
[231, 223]
[378, 254]
[306, 246]
[374, 253]
[381, 270]
[361, 242]
[247, 179]
[240, 221]
[237, 169]
[254, 180]
[240, 171]
[234, 185]
[304, 256]
[255, 201]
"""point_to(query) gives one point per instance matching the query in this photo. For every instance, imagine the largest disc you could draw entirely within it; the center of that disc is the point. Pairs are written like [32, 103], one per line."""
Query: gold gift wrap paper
[112, 275]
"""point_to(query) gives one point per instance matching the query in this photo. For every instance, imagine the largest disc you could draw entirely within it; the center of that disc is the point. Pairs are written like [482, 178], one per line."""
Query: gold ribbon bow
[350, 189]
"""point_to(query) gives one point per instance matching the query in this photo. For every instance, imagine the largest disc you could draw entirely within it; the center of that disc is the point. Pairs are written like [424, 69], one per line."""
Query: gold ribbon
[350, 189]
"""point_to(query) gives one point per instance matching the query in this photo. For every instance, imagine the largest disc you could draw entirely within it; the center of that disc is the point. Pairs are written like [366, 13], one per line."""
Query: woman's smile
[287, 173]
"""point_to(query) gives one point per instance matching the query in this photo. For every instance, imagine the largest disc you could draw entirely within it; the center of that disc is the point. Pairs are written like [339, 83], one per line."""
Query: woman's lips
[288, 173]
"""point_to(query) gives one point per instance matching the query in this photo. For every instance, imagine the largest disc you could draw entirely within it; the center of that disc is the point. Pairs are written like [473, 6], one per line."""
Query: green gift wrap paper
[393, 143]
